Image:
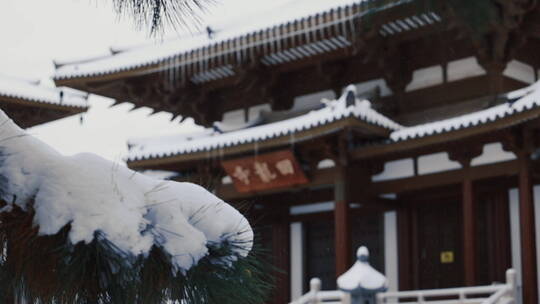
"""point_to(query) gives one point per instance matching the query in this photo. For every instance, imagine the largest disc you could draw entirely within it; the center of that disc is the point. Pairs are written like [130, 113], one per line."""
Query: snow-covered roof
[334, 111]
[519, 102]
[19, 89]
[239, 35]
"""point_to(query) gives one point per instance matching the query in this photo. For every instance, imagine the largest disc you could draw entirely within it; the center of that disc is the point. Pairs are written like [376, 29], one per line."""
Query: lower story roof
[520, 106]
[29, 103]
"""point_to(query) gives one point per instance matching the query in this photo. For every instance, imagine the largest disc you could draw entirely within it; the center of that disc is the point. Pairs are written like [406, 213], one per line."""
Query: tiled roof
[518, 102]
[321, 25]
[25, 90]
[334, 111]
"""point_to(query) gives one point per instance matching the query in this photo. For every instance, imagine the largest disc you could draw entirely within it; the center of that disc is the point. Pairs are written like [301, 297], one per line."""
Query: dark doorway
[439, 255]
[320, 254]
[437, 237]
[368, 230]
[493, 236]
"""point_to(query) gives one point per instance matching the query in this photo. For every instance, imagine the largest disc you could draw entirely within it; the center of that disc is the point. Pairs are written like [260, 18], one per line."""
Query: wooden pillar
[405, 262]
[342, 225]
[281, 258]
[527, 225]
[469, 228]
[342, 229]
[468, 207]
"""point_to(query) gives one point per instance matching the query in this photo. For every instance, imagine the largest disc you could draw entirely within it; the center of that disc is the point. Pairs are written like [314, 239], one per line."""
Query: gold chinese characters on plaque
[265, 171]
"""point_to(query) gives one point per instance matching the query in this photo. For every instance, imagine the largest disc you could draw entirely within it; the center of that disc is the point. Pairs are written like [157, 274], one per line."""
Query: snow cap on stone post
[361, 278]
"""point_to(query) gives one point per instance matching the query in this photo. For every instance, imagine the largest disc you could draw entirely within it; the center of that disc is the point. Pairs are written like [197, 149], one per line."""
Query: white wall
[391, 250]
[311, 101]
[395, 169]
[426, 77]
[515, 240]
[297, 260]
[515, 235]
[519, 71]
[370, 85]
[492, 153]
[464, 68]
[312, 208]
[536, 192]
[436, 162]
[439, 162]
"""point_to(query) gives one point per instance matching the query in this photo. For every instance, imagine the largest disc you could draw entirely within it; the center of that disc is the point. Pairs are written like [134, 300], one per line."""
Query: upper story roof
[301, 47]
[239, 36]
[29, 103]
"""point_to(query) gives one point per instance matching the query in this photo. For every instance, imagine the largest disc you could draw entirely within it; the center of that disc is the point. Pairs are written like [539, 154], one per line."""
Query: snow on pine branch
[133, 211]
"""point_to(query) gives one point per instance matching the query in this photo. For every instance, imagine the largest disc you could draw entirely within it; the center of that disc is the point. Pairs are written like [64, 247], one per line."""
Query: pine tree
[154, 15]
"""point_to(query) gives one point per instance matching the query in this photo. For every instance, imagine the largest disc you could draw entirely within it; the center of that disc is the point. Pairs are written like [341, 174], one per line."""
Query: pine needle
[155, 15]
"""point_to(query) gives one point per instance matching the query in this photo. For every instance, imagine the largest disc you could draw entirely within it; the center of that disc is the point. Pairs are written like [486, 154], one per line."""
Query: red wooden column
[342, 229]
[405, 262]
[342, 225]
[469, 228]
[281, 258]
[527, 225]
[468, 205]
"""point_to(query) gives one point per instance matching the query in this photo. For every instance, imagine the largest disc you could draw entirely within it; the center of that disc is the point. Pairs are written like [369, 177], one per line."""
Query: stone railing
[364, 285]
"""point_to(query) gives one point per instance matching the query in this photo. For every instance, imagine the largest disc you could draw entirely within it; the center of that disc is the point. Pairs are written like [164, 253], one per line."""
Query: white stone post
[362, 281]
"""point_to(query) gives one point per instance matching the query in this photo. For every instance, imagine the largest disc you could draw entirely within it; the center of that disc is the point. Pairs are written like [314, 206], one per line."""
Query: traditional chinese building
[425, 159]
[30, 104]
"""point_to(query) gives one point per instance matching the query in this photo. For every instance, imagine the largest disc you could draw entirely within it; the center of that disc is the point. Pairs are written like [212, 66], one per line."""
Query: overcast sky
[35, 32]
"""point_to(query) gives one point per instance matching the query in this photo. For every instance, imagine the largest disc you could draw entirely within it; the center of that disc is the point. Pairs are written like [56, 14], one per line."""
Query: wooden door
[368, 230]
[439, 253]
[493, 237]
[320, 254]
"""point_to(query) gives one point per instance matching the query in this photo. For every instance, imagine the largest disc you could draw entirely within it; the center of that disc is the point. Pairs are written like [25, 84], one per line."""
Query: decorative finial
[362, 254]
[210, 32]
[350, 97]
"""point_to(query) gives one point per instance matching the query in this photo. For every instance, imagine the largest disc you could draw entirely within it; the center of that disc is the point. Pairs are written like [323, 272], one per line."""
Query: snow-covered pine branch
[132, 211]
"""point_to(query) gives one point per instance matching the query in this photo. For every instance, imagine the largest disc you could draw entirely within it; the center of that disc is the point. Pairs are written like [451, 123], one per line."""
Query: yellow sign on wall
[447, 257]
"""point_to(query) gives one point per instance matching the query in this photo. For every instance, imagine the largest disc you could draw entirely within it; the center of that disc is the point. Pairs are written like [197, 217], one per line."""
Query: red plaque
[266, 171]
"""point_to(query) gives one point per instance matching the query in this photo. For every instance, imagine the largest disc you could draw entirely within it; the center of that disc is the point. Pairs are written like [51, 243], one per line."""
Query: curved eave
[411, 144]
[283, 140]
[42, 104]
[117, 74]
[28, 113]
[252, 41]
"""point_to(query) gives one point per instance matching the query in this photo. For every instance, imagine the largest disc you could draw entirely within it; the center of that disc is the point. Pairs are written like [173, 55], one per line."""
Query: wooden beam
[301, 197]
[506, 168]
[528, 231]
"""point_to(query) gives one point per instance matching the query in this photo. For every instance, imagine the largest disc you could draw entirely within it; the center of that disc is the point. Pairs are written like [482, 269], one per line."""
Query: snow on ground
[132, 210]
